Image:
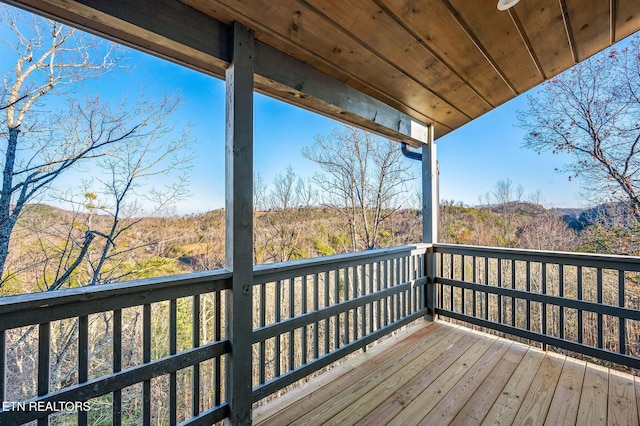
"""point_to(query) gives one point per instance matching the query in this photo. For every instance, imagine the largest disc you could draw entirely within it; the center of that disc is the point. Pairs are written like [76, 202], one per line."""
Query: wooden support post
[239, 224]
[430, 204]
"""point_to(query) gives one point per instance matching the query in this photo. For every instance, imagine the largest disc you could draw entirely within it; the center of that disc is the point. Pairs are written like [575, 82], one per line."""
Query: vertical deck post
[239, 224]
[430, 205]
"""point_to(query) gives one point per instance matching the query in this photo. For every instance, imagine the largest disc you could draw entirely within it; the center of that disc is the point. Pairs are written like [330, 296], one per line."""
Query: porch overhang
[389, 67]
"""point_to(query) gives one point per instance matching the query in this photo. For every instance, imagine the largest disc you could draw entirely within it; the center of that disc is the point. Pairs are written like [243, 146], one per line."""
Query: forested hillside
[48, 239]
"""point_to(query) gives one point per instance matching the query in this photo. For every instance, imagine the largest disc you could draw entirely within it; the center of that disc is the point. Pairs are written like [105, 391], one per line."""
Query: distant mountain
[608, 213]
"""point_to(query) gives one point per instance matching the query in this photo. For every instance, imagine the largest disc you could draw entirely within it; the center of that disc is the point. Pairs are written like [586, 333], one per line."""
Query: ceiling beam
[181, 34]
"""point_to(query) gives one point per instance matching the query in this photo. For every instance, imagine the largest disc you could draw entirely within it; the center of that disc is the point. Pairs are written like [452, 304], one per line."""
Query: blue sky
[472, 158]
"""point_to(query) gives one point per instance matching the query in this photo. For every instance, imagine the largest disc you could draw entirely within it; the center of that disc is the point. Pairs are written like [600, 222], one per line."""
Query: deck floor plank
[457, 397]
[488, 391]
[385, 349]
[347, 392]
[388, 376]
[622, 408]
[564, 408]
[535, 406]
[637, 387]
[396, 354]
[433, 394]
[440, 373]
[376, 395]
[397, 397]
[593, 400]
[506, 407]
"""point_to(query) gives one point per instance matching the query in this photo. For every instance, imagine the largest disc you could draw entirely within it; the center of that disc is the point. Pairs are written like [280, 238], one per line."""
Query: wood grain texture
[566, 400]
[593, 400]
[622, 408]
[589, 24]
[477, 407]
[443, 62]
[544, 27]
[456, 399]
[452, 375]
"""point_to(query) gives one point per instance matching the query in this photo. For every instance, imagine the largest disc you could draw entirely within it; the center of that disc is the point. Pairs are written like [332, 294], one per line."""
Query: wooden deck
[439, 374]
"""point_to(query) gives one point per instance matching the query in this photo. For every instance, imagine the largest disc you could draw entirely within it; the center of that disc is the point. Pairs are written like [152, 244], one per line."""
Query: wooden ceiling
[444, 62]
[440, 61]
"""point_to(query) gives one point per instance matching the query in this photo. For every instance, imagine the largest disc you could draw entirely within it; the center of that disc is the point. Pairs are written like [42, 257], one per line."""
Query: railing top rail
[263, 273]
[605, 261]
[133, 290]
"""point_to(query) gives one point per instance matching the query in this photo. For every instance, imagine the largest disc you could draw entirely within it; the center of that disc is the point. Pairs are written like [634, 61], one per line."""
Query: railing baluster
[379, 302]
[263, 344]
[277, 303]
[363, 291]
[347, 296]
[599, 297]
[579, 295]
[463, 277]
[117, 366]
[326, 304]
[292, 305]
[44, 354]
[195, 342]
[3, 365]
[398, 280]
[513, 287]
[500, 300]
[528, 288]
[386, 299]
[83, 360]
[451, 301]
[561, 294]
[371, 305]
[304, 328]
[544, 305]
[217, 362]
[474, 278]
[173, 349]
[392, 283]
[354, 311]
[336, 325]
[146, 357]
[439, 256]
[316, 307]
[486, 282]
[622, 333]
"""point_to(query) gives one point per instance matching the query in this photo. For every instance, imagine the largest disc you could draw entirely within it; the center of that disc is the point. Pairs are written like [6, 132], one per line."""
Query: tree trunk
[8, 216]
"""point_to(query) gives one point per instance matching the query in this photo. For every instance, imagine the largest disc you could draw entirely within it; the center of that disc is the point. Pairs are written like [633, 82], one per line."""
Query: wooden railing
[115, 347]
[155, 351]
[583, 303]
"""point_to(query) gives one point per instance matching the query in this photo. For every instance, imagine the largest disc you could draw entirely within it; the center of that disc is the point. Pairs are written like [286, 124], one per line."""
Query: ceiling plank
[380, 33]
[589, 21]
[544, 27]
[205, 46]
[437, 29]
[627, 18]
[499, 37]
[293, 27]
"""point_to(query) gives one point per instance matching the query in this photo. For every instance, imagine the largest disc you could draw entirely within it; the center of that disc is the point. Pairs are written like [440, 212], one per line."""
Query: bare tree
[284, 195]
[364, 177]
[505, 200]
[592, 113]
[50, 57]
[129, 143]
